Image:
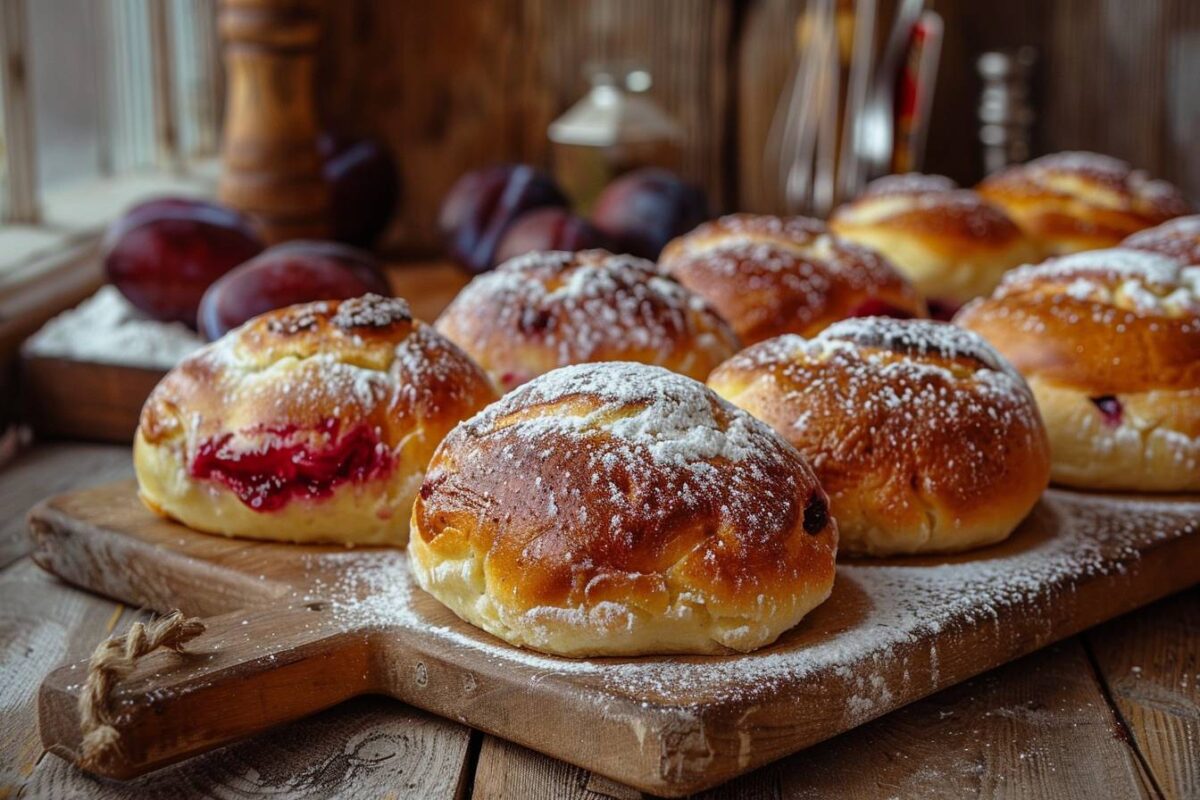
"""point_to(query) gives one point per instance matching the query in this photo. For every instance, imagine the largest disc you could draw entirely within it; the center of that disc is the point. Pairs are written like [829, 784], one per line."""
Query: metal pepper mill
[1006, 114]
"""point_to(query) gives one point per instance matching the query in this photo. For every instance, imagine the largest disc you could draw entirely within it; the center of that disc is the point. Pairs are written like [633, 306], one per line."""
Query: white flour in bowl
[107, 329]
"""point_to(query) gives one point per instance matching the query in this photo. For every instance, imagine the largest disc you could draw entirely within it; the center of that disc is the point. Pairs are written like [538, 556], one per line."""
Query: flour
[107, 329]
[902, 604]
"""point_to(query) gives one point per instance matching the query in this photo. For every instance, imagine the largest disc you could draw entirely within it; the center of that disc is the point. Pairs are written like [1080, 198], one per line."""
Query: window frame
[50, 238]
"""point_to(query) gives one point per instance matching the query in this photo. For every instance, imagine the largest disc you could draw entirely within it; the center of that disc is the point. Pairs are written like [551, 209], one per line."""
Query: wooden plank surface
[893, 632]
[1038, 727]
[1150, 666]
[369, 747]
[46, 470]
[41, 627]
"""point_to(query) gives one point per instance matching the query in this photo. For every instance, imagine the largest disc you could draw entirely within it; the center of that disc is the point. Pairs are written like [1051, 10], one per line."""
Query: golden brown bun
[313, 423]
[1082, 201]
[546, 310]
[621, 509]
[924, 437]
[1179, 239]
[951, 243]
[771, 275]
[1110, 343]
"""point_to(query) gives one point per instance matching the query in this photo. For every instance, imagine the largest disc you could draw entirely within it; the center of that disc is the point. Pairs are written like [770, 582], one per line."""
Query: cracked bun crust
[951, 243]
[620, 509]
[773, 275]
[1179, 239]
[924, 437]
[1075, 201]
[546, 310]
[1109, 341]
[313, 423]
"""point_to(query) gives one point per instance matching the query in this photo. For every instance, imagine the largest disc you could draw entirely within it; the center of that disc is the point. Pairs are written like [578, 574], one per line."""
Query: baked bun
[313, 423]
[1082, 201]
[924, 437]
[546, 310]
[1179, 239]
[1109, 341]
[772, 275]
[621, 509]
[950, 243]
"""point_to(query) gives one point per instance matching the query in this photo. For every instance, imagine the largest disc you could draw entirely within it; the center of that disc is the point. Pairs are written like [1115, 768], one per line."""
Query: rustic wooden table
[1112, 713]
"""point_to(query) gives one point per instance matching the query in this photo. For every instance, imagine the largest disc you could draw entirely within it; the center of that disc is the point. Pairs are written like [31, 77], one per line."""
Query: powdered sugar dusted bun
[620, 509]
[771, 275]
[551, 309]
[924, 437]
[1109, 340]
[1082, 201]
[313, 423]
[951, 243]
[1179, 239]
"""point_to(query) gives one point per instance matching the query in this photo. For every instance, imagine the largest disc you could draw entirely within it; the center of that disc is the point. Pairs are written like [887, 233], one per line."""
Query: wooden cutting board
[294, 629]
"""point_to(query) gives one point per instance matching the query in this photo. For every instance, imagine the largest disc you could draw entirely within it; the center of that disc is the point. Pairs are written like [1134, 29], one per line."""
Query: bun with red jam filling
[1109, 341]
[768, 276]
[313, 423]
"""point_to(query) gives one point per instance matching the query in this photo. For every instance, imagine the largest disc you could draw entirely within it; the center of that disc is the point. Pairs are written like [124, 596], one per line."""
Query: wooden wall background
[457, 84]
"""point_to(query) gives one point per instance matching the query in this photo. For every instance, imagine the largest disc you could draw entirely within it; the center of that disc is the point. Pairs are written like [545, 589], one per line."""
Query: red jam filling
[269, 477]
[943, 309]
[1110, 409]
[875, 307]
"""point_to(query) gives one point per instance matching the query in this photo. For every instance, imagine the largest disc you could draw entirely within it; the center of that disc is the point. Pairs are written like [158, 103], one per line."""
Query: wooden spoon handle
[247, 672]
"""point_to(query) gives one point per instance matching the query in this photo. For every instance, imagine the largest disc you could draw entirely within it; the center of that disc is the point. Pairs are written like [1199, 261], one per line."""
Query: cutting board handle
[248, 671]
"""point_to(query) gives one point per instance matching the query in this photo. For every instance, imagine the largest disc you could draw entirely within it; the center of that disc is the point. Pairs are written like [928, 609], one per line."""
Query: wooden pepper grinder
[271, 168]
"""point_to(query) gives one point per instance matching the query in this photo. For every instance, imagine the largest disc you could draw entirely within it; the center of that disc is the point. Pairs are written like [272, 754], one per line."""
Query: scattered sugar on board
[907, 604]
[107, 329]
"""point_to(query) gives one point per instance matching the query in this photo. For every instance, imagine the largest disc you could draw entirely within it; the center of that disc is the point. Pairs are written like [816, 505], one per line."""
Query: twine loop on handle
[112, 660]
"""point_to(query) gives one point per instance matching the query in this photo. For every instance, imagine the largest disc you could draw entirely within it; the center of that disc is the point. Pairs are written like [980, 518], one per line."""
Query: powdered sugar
[1143, 282]
[1132, 188]
[805, 270]
[1083, 162]
[1178, 238]
[907, 392]
[909, 183]
[107, 329]
[1116, 261]
[797, 231]
[919, 337]
[885, 618]
[645, 424]
[582, 306]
